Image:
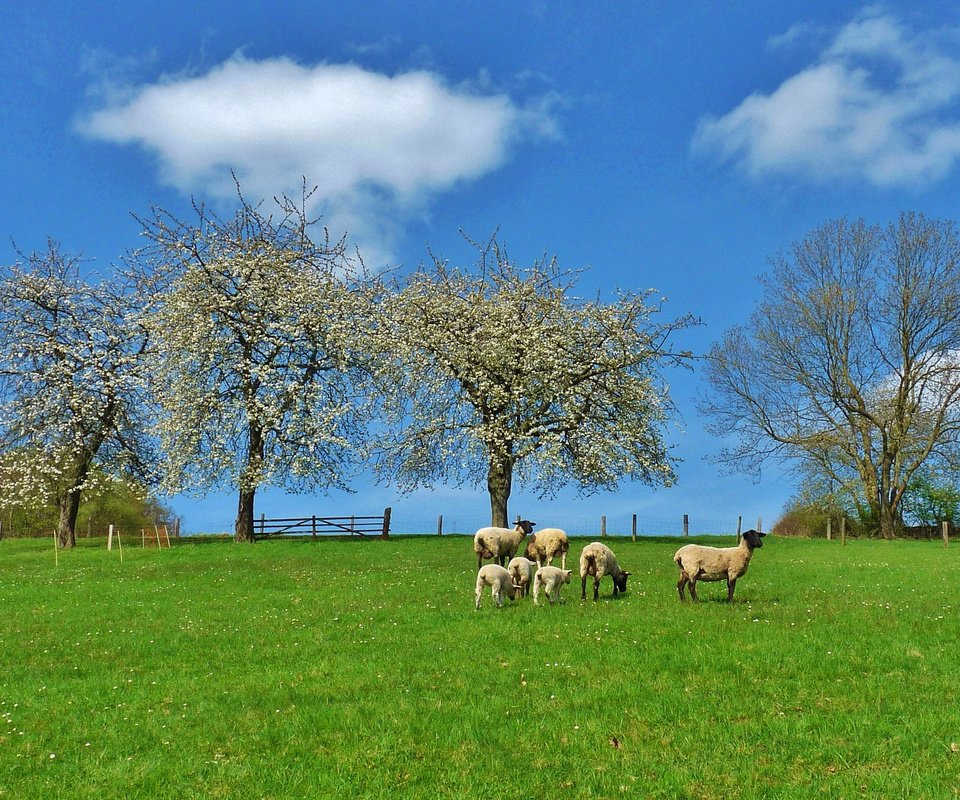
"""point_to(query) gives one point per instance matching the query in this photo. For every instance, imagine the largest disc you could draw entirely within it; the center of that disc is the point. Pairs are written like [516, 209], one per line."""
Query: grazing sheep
[498, 579]
[551, 579]
[521, 573]
[500, 544]
[598, 560]
[545, 544]
[698, 562]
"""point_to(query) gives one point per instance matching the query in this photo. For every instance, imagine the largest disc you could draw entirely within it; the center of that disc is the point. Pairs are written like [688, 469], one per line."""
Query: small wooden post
[313, 526]
[143, 538]
[156, 532]
[946, 532]
[119, 544]
[829, 529]
[603, 525]
[385, 534]
[263, 523]
[739, 526]
[110, 538]
[353, 525]
[686, 525]
[440, 525]
[843, 531]
[56, 550]
[759, 524]
[634, 528]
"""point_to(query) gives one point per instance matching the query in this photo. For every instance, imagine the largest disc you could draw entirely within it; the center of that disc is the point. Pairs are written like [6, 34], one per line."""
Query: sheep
[545, 544]
[500, 544]
[698, 562]
[552, 580]
[521, 573]
[499, 581]
[598, 560]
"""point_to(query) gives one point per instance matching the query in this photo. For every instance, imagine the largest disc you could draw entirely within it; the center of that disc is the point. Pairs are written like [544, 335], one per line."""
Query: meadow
[360, 669]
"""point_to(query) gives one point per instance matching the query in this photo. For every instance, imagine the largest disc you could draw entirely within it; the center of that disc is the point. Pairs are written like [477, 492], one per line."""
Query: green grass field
[360, 669]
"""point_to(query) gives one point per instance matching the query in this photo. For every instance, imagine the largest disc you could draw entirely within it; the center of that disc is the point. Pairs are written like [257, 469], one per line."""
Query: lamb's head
[565, 575]
[620, 581]
[752, 538]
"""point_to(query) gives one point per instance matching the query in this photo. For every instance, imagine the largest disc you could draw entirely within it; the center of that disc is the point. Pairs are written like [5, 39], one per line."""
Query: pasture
[360, 669]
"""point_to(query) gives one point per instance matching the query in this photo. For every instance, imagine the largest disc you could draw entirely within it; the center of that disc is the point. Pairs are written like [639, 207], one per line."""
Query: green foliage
[932, 499]
[126, 507]
[360, 669]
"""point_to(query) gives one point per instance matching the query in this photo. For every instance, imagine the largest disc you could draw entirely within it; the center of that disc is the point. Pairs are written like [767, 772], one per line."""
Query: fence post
[263, 523]
[739, 526]
[759, 524]
[686, 525]
[313, 526]
[829, 529]
[946, 532]
[603, 525]
[385, 534]
[634, 528]
[110, 538]
[440, 525]
[843, 531]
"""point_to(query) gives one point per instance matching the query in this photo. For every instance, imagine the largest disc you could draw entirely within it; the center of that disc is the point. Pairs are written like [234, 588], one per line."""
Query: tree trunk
[67, 523]
[243, 528]
[249, 480]
[888, 520]
[499, 483]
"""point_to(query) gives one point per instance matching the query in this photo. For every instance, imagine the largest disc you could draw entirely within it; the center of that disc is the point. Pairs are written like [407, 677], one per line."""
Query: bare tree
[252, 319]
[851, 363]
[72, 385]
[500, 371]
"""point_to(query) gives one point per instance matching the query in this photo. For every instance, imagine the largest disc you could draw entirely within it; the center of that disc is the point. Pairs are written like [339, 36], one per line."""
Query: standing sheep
[500, 544]
[598, 560]
[521, 573]
[698, 562]
[499, 581]
[545, 544]
[552, 580]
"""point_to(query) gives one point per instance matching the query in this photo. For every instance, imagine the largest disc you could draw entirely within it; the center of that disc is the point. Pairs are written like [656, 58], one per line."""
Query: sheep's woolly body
[500, 544]
[551, 579]
[499, 581]
[598, 560]
[544, 545]
[521, 573]
[699, 562]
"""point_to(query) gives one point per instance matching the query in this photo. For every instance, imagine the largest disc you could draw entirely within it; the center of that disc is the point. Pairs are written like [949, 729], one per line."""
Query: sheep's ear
[627, 573]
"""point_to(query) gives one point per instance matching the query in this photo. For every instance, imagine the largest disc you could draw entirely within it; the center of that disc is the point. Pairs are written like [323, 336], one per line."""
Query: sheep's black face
[620, 581]
[526, 526]
[753, 538]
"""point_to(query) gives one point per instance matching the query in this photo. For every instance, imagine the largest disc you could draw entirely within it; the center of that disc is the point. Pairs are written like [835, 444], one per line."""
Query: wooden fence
[323, 526]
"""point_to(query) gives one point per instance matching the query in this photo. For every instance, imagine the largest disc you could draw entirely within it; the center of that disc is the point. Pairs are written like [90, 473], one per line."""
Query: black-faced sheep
[598, 560]
[499, 581]
[500, 544]
[698, 562]
[521, 573]
[551, 579]
[544, 545]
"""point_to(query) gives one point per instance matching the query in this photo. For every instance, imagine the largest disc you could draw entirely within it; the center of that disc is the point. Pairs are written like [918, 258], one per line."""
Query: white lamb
[521, 573]
[598, 560]
[551, 579]
[698, 562]
[500, 544]
[544, 545]
[499, 581]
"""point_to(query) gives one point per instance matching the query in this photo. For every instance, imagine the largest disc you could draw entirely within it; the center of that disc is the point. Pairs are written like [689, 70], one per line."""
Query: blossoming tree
[252, 320]
[72, 385]
[501, 371]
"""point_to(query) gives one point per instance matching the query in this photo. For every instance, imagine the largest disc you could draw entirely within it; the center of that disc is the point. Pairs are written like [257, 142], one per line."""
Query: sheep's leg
[680, 584]
[596, 588]
[731, 582]
[693, 590]
[497, 592]
[563, 561]
[583, 588]
[479, 593]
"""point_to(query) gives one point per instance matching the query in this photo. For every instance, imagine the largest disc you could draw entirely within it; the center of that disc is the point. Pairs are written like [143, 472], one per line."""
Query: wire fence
[410, 522]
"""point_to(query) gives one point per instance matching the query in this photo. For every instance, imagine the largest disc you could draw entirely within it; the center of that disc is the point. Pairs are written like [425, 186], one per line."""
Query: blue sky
[668, 145]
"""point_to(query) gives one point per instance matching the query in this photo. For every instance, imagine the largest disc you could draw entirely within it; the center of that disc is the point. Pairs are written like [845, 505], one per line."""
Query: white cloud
[880, 104]
[378, 146]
